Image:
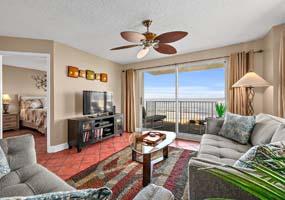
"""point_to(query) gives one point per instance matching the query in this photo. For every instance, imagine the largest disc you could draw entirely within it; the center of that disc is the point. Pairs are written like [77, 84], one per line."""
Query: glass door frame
[140, 99]
[140, 88]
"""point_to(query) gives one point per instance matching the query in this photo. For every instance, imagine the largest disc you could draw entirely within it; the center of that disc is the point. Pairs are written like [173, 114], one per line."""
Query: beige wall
[68, 91]
[214, 53]
[65, 92]
[18, 81]
[33, 46]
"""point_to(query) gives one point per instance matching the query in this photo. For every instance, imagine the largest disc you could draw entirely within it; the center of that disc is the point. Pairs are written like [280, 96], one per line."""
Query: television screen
[109, 102]
[93, 102]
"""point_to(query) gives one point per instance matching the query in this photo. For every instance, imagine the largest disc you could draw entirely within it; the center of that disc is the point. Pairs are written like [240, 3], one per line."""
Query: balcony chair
[153, 121]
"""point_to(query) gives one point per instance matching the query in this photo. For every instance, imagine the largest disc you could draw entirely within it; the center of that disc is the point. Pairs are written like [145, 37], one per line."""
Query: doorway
[25, 88]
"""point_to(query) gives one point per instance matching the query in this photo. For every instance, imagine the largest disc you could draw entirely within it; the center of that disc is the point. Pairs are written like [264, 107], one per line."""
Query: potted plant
[220, 109]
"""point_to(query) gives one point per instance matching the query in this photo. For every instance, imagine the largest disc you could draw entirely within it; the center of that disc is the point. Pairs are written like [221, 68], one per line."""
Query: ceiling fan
[148, 39]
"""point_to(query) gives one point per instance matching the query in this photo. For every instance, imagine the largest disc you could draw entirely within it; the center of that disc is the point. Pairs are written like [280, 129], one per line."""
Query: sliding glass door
[199, 90]
[159, 105]
[180, 98]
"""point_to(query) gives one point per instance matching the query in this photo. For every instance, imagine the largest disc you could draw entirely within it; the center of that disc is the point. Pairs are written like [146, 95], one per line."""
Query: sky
[196, 84]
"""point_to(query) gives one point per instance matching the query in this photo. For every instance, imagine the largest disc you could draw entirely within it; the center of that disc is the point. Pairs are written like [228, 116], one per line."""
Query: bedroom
[25, 95]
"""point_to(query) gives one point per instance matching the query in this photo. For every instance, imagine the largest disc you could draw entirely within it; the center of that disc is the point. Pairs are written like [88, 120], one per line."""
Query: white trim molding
[57, 148]
[48, 57]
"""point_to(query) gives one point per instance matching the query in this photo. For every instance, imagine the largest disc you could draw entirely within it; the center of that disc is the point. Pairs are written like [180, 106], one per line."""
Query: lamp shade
[6, 98]
[143, 52]
[251, 79]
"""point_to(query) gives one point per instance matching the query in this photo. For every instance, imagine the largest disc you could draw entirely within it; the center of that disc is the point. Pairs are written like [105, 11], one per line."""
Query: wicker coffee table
[139, 147]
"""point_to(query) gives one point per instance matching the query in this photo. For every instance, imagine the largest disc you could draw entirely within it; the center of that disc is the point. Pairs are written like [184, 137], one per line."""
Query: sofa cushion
[264, 129]
[19, 150]
[220, 149]
[214, 125]
[4, 165]
[31, 180]
[279, 134]
[154, 192]
[237, 127]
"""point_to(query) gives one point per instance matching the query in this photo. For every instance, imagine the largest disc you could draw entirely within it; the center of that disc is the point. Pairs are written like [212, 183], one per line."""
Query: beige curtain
[239, 64]
[130, 109]
[281, 84]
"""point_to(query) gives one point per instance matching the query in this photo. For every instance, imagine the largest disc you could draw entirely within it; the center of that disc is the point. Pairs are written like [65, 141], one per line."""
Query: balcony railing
[188, 110]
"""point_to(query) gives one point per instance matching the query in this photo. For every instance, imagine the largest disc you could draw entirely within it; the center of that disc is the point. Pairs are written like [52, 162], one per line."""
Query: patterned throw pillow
[259, 152]
[4, 165]
[88, 194]
[237, 127]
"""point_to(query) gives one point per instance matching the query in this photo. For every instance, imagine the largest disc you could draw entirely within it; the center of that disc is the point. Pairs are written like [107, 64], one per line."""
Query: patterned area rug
[124, 176]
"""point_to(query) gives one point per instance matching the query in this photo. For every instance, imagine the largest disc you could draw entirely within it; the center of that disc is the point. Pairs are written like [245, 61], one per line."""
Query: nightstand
[10, 121]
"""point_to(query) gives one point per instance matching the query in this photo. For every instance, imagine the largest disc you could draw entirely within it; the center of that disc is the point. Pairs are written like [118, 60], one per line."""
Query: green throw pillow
[237, 127]
[259, 153]
[88, 194]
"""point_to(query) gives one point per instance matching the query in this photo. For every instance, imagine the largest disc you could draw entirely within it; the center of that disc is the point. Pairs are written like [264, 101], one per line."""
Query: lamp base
[6, 108]
[250, 93]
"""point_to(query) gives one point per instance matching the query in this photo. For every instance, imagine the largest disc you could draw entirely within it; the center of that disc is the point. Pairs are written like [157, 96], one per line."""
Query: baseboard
[57, 148]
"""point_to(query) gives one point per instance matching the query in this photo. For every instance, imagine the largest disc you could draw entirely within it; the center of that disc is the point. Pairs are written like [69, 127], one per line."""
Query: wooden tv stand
[89, 130]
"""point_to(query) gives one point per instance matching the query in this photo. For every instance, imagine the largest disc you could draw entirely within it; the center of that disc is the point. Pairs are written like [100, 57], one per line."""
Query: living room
[190, 74]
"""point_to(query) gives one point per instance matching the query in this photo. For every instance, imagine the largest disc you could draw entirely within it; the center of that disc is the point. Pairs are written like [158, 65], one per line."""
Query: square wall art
[82, 73]
[73, 72]
[103, 77]
[90, 75]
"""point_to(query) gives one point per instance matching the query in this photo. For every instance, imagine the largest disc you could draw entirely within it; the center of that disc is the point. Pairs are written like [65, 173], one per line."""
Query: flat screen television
[95, 102]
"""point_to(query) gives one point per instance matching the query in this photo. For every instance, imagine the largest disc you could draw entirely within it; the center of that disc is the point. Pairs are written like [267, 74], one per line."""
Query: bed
[33, 113]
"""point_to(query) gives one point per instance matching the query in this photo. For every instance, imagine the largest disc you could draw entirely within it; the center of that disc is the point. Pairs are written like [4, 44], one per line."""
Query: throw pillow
[264, 129]
[237, 127]
[259, 152]
[279, 134]
[94, 194]
[214, 125]
[4, 165]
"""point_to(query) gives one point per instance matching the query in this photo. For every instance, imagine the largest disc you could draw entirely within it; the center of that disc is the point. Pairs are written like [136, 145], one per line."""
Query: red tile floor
[68, 162]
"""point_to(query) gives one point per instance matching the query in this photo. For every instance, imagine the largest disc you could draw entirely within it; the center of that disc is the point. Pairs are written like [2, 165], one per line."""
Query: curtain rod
[181, 63]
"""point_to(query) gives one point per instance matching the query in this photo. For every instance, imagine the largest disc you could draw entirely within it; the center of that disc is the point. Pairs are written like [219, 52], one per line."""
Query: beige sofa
[217, 150]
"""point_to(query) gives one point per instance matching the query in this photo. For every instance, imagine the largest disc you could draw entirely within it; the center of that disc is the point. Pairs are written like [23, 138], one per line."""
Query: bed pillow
[44, 102]
[4, 165]
[94, 194]
[259, 152]
[237, 127]
[36, 104]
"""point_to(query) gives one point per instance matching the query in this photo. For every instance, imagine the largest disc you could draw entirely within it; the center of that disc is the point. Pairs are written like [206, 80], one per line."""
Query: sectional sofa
[28, 178]
[216, 150]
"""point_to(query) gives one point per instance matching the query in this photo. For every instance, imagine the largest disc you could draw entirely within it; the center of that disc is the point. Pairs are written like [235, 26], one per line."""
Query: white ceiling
[25, 61]
[94, 25]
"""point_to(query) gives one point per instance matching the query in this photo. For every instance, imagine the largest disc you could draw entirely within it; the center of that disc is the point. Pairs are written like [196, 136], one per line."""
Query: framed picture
[72, 72]
[82, 73]
[90, 75]
[97, 76]
[103, 77]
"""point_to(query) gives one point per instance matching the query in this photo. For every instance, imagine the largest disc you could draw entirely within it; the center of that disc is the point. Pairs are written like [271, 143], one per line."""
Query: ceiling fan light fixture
[143, 52]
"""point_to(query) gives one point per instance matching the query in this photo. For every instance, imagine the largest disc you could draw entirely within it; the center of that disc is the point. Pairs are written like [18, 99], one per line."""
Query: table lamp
[6, 101]
[251, 80]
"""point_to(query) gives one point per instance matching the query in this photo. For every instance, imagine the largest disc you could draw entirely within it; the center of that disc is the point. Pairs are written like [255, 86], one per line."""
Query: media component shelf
[89, 130]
